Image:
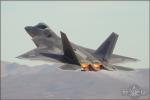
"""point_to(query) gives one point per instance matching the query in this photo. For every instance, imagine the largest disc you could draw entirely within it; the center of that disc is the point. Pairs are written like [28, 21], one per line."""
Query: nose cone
[28, 28]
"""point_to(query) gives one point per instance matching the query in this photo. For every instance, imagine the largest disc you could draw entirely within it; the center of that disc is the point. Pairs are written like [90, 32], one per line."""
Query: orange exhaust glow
[85, 67]
[97, 66]
[89, 67]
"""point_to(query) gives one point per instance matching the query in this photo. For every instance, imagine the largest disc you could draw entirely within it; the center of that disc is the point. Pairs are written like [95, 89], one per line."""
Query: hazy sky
[86, 23]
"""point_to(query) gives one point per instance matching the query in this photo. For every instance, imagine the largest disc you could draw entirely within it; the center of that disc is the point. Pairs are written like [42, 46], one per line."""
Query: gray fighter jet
[52, 48]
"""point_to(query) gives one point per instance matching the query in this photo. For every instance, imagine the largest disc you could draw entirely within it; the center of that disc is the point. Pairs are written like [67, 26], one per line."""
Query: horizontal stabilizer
[120, 59]
[123, 68]
[116, 67]
[69, 67]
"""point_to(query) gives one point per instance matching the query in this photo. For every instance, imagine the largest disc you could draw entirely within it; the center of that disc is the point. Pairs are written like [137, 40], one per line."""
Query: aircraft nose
[28, 28]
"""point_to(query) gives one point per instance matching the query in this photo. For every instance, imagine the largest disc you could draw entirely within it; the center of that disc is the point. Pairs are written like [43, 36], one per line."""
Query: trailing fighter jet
[56, 49]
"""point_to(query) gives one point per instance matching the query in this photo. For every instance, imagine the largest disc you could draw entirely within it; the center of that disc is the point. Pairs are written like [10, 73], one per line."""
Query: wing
[113, 59]
[42, 54]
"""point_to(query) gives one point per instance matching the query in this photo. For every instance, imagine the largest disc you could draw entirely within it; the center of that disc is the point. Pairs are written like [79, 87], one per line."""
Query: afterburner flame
[93, 67]
[85, 67]
[97, 67]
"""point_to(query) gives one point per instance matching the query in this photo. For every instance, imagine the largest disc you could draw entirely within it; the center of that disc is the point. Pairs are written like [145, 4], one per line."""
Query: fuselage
[87, 61]
[52, 48]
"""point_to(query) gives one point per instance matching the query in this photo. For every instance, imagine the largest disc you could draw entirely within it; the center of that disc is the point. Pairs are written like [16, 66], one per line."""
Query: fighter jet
[50, 47]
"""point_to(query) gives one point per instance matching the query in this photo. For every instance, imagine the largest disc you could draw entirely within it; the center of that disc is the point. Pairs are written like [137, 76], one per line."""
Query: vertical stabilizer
[107, 47]
[69, 54]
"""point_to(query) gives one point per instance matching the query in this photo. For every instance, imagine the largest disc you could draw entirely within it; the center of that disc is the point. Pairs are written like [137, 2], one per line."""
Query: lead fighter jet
[50, 47]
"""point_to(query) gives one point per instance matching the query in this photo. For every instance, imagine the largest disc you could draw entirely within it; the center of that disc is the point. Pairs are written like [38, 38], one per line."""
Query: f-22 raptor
[51, 47]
